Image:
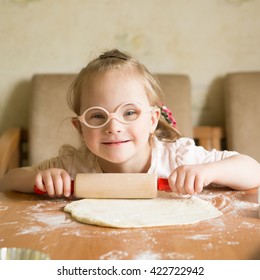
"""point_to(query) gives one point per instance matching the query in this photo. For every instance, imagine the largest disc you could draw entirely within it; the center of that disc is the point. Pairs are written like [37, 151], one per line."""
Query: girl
[124, 129]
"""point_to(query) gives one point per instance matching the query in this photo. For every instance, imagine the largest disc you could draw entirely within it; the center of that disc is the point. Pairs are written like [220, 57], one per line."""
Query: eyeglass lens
[126, 113]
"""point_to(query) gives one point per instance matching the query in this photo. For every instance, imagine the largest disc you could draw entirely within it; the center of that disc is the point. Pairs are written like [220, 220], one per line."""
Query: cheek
[89, 137]
[143, 128]
[146, 125]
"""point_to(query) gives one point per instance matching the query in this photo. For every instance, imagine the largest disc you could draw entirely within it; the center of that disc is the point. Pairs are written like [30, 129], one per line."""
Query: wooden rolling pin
[116, 185]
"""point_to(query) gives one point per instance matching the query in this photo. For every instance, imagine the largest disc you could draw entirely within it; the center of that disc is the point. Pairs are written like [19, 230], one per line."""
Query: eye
[130, 113]
[97, 116]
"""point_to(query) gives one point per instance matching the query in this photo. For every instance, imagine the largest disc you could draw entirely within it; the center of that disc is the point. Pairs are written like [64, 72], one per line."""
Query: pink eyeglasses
[96, 117]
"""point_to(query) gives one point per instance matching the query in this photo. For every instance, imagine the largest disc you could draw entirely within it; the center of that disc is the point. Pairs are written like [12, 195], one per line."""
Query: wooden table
[37, 222]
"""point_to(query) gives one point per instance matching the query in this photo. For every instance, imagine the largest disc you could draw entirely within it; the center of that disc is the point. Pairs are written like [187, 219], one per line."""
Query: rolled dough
[130, 213]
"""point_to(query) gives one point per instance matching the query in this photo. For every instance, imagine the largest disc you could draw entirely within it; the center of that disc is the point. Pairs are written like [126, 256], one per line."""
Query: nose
[114, 126]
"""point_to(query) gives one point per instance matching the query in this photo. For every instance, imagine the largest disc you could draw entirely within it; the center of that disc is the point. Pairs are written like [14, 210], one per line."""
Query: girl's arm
[18, 179]
[53, 181]
[239, 172]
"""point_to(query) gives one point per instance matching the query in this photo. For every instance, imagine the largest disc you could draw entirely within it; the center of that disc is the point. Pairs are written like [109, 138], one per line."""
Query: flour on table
[136, 213]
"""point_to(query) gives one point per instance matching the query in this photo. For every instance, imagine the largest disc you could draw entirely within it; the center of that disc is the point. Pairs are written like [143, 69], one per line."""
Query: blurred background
[203, 39]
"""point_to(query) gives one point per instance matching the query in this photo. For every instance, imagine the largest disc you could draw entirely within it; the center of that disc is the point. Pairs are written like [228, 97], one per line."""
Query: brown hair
[114, 59]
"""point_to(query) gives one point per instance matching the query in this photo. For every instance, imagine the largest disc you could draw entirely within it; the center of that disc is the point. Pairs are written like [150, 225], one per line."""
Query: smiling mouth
[115, 142]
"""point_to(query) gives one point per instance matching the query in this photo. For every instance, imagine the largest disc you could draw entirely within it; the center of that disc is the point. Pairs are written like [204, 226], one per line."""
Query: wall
[204, 39]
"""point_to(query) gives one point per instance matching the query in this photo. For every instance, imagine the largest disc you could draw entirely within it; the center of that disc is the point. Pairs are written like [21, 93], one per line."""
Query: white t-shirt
[166, 156]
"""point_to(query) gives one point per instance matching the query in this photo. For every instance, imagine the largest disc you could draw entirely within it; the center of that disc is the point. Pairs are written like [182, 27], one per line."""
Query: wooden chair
[210, 137]
[242, 98]
[50, 125]
[9, 150]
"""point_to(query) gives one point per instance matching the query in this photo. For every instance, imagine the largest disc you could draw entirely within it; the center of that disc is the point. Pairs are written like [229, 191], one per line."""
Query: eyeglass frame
[114, 115]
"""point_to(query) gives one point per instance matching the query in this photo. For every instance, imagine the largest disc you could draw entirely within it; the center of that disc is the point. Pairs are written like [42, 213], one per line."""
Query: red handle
[163, 185]
[38, 191]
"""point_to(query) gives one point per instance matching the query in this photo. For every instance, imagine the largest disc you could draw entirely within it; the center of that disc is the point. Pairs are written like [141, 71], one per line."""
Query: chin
[116, 159]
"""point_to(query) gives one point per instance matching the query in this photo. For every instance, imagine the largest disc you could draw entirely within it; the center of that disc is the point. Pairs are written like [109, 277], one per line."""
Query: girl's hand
[55, 181]
[189, 179]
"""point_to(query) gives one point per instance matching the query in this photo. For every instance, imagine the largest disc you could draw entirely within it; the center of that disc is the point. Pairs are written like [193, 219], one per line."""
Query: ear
[155, 119]
[76, 123]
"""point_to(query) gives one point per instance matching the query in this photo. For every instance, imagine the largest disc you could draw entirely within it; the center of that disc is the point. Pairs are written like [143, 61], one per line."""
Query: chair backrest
[50, 125]
[242, 98]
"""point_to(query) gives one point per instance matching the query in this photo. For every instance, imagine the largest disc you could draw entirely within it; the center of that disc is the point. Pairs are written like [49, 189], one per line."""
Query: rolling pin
[258, 200]
[116, 185]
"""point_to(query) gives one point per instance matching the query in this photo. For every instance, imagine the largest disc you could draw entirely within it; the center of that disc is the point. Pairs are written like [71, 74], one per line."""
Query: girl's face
[116, 143]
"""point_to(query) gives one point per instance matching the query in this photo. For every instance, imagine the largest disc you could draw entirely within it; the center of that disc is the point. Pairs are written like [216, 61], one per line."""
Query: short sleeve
[188, 153]
[63, 160]
[73, 160]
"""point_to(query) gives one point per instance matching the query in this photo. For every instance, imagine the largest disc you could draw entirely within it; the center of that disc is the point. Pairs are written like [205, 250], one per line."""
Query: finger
[58, 184]
[39, 182]
[172, 181]
[48, 183]
[180, 180]
[199, 183]
[189, 184]
[66, 184]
